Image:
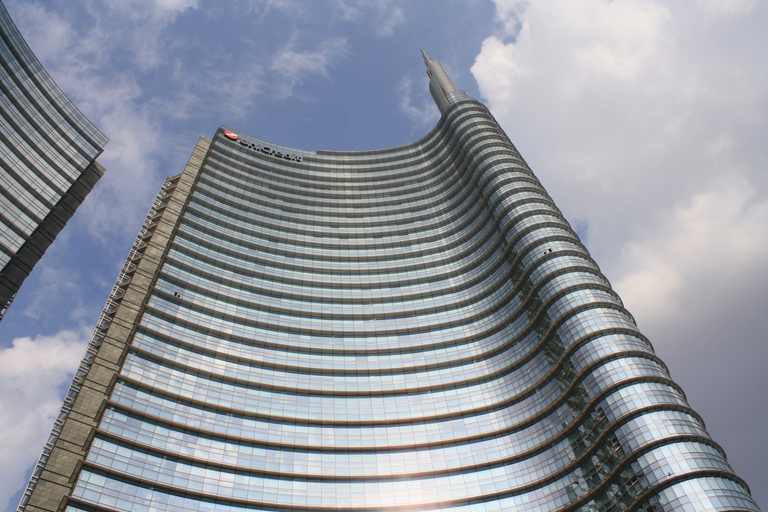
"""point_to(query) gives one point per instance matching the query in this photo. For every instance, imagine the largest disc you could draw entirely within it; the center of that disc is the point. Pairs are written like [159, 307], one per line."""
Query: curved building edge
[48, 150]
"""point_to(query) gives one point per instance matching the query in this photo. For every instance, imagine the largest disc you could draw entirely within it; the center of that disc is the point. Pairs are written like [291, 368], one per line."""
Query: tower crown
[440, 85]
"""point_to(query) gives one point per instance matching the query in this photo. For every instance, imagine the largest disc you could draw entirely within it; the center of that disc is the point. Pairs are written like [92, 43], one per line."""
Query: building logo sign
[263, 149]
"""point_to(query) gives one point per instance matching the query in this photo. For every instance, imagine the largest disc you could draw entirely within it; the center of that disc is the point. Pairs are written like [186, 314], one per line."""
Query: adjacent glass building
[47, 159]
[415, 328]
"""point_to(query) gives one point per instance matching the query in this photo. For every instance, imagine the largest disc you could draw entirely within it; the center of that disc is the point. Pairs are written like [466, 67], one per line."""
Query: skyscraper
[48, 165]
[414, 328]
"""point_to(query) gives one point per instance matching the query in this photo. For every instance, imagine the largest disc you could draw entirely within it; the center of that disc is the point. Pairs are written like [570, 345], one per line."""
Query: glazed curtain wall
[416, 327]
[46, 145]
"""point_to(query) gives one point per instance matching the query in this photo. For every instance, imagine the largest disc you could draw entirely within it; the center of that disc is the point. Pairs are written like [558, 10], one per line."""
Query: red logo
[231, 135]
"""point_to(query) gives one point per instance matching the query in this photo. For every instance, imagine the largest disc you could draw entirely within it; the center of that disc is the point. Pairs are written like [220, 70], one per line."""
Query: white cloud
[146, 20]
[119, 202]
[175, 5]
[153, 11]
[36, 373]
[50, 39]
[386, 15]
[349, 10]
[418, 107]
[59, 284]
[727, 7]
[134, 27]
[721, 234]
[389, 18]
[295, 7]
[236, 91]
[629, 106]
[295, 66]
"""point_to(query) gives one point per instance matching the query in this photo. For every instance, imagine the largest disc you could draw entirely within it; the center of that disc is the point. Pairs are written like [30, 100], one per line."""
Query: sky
[646, 121]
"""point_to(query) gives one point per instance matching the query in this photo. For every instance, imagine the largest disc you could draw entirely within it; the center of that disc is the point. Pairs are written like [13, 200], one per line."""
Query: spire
[443, 91]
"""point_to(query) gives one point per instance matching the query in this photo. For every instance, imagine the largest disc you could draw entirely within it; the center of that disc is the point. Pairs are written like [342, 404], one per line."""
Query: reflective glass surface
[45, 142]
[415, 328]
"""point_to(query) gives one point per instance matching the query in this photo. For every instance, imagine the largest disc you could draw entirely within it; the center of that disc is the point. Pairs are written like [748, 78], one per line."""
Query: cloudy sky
[647, 121]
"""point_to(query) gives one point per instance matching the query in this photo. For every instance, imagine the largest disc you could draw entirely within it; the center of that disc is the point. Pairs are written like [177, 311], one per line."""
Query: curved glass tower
[47, 159]
[416, 328]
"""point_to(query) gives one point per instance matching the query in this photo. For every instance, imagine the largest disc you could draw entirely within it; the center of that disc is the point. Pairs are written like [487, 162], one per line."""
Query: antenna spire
[443, 91]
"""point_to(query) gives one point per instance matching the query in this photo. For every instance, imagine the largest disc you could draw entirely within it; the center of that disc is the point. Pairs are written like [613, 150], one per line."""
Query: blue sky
[645, 120]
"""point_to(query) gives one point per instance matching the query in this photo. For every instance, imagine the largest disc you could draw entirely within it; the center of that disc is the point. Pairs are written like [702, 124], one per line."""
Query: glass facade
[415, 328]
[47, 153]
